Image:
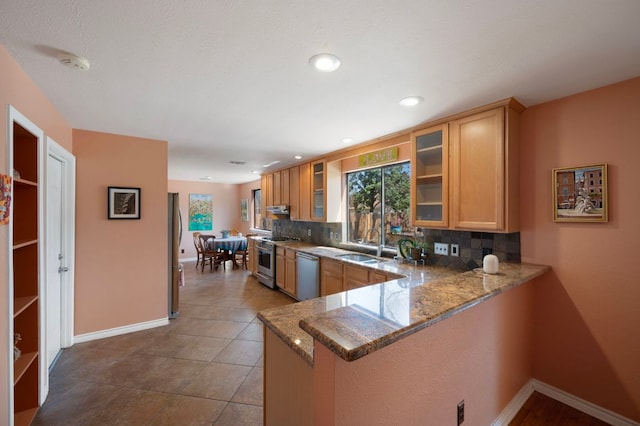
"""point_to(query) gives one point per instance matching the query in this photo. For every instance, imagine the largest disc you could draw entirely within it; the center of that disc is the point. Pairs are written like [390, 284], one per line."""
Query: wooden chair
[209, 255]
[196, 242]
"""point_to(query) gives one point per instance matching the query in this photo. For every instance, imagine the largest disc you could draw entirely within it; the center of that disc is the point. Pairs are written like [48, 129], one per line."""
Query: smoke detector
[73, 61]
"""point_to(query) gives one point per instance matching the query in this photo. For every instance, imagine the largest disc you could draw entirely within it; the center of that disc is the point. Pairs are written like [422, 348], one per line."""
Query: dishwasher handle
[307, 256]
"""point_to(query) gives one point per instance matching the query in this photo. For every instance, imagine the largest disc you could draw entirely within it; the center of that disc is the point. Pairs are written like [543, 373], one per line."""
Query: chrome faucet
[367, 237]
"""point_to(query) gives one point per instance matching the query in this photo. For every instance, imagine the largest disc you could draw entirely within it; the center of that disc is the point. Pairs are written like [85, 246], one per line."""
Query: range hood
[283, 210]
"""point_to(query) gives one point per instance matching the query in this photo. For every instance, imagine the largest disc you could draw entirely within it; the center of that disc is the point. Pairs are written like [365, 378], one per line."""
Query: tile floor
[204, 368]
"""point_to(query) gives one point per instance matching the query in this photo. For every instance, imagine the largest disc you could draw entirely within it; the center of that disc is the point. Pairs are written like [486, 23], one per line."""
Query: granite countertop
[357, 322]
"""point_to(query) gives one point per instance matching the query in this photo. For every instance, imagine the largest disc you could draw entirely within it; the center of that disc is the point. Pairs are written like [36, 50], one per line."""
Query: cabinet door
[284, 187]
[291, 269]
[305, 192]
[281, 273]
[331, 277]
[355, 277]
[430, 177]
[294, 193]
[318, 193]
[266, 189]
[277, 188]
[377, 277]
[477, 171]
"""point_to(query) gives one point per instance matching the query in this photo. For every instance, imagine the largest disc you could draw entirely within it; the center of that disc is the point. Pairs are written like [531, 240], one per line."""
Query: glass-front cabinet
[318, 194]
[430, 179]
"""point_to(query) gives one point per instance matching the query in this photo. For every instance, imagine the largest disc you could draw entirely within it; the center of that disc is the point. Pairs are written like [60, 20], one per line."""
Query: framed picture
[200, 212]
[580, 194]
[123, 203]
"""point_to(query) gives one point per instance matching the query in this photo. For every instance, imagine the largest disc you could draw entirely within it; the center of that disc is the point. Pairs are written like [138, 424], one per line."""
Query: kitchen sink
[360, 258]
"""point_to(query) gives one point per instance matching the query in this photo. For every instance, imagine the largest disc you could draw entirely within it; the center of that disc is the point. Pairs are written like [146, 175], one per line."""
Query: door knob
[62, 269]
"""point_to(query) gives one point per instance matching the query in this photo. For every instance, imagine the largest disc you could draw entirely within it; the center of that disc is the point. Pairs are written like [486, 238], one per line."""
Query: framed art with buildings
[580, 194]
[123, 203]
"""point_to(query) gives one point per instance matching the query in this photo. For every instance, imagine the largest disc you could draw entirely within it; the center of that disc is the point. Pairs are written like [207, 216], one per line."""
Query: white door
[55, 261]
[59, 253]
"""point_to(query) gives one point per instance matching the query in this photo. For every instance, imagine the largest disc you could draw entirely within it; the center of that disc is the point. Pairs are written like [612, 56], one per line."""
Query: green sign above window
[378, 157]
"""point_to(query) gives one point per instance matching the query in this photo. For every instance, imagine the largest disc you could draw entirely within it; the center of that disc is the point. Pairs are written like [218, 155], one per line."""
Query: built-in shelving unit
[430, 176]
[24, 280]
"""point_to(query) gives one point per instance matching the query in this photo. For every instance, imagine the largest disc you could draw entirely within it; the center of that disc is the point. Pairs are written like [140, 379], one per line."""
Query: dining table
[230, 245]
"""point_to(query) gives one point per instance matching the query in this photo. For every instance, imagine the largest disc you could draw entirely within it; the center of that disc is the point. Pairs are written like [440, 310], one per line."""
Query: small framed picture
[123, 203]
[580, 194]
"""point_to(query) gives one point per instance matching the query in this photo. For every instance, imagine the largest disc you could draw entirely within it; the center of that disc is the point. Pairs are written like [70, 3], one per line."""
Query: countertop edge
[358, 352]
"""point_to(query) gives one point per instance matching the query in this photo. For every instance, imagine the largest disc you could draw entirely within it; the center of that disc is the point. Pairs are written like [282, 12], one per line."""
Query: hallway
[204, 368]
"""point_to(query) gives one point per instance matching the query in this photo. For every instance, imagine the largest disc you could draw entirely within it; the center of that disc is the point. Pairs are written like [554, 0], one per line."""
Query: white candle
[490, 264]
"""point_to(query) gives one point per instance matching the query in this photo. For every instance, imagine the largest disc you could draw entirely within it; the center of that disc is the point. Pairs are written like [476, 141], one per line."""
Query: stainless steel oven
[266, 263]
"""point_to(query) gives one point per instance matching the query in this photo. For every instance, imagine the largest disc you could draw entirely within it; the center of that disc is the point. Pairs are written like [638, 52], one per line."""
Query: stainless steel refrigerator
[175, 235]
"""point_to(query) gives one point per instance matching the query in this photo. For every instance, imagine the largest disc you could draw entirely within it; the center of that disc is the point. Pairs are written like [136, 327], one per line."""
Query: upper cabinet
[465, 171]
[318, 193]
[429, 171]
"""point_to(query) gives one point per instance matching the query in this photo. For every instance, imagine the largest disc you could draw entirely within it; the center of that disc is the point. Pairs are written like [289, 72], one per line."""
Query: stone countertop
[357, 322]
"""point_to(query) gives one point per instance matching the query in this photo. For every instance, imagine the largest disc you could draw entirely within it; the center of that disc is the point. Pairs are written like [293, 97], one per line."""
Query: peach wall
[121, 265]
[588, 310]
[17, 89]
[482, 355]
[226, 209]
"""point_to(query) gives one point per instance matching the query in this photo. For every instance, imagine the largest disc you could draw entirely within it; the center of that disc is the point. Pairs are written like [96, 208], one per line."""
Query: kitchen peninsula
[401, 351]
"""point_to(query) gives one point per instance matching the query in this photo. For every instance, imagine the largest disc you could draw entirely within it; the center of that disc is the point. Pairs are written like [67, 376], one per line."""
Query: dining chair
[196, 242]
[210, 255]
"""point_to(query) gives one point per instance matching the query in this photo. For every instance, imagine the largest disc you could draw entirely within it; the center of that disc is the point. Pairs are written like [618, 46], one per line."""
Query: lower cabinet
[286, 270]
[252, 249]
[355, 277]
[330, 276]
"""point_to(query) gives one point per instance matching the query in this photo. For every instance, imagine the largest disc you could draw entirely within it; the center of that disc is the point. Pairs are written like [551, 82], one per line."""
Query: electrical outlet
[460, 412]
[182, 251]
[441, 248]
[455, 250]
[309, 232]
[331, 235]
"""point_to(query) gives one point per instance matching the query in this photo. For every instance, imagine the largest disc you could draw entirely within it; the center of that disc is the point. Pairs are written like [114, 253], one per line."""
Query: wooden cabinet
[305, 192]
[330, 276]
[355, 277]
[24, 277]
[252, 249]
[465, 170]
[286, 278]
[429, 183]
[280, 188]
[291, 279]
[266, 193]
[318, 194]
[294, 193]
[484, 171]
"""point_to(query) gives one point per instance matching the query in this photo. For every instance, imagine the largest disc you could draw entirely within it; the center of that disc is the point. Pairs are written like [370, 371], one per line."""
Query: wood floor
[542, 410]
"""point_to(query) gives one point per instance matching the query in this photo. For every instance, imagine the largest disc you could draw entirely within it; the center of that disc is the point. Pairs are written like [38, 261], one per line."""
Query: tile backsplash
[473, 246]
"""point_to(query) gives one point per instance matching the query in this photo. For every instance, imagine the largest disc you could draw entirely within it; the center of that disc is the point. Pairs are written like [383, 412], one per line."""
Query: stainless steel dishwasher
[308, 276]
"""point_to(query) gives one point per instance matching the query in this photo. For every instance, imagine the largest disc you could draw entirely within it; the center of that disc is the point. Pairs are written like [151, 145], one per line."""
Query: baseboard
[187, 259]
[580, 404]
[514, 406]
[87, 337]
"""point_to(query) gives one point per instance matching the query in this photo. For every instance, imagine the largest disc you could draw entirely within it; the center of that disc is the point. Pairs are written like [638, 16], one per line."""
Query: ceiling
[229, 80]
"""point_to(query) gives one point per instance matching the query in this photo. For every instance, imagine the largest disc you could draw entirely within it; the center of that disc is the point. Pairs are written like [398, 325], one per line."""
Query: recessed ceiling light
[255, 172]
[206, 178]
[271, 163]
[346, 140]
[325, 62]
[411, 101]
[297, 157]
